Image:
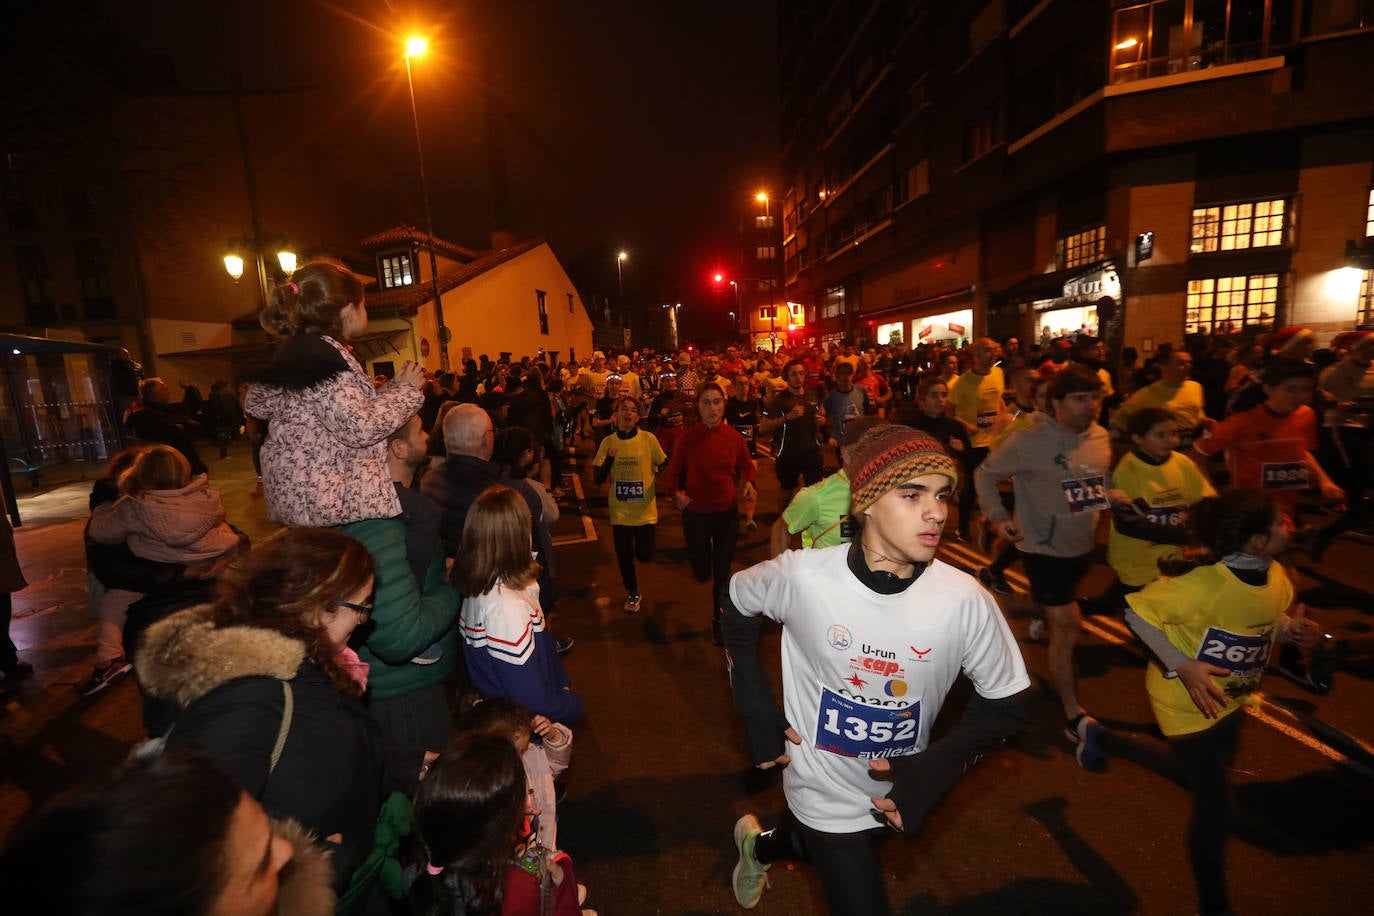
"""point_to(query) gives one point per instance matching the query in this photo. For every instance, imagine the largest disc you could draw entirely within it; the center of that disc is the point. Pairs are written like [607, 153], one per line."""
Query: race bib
[852, 729]
[1086, 494]
[1244, 655]
[1168, 516]
[985, 419]
[629, 490]
[1284, 475]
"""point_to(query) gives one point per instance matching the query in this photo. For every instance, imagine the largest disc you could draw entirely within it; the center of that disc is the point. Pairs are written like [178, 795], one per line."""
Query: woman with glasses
[270, 689]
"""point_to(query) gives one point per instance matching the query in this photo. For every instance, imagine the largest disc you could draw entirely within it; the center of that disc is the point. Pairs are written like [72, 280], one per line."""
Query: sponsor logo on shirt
[920, 655]
[839, 637]
[873, 701]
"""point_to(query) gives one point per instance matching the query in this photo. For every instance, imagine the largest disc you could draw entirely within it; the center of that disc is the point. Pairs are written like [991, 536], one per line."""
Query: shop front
[57, 417]
[1050, 306]
[935, 319]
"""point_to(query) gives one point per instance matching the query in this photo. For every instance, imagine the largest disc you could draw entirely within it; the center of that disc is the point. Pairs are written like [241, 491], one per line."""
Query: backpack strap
[288, 707]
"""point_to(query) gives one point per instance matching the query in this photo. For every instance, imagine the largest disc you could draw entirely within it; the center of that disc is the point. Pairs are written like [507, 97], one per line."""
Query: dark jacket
[331, 774]
[153, 423]
[455, 486]
[532, 409]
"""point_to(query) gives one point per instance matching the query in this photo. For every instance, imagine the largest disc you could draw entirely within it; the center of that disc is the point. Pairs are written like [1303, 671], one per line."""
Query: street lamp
[620, 281]
[416, 46]
[258, 245]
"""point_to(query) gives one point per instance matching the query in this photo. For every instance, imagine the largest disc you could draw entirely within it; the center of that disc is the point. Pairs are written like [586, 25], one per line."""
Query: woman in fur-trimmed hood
[276, 638]
[324, 459]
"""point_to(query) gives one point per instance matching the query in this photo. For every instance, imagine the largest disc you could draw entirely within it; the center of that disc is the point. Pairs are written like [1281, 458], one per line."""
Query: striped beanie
[889, 455]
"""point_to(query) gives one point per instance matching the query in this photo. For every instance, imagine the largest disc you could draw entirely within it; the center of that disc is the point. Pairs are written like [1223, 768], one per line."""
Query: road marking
[1116, 631]
[588, 529]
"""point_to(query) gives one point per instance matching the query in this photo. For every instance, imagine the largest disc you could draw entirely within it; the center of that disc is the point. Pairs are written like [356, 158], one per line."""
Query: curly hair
[1224, 524]
[291, 584]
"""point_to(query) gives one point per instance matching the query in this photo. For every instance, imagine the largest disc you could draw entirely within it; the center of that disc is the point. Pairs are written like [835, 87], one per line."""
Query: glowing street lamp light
[287, 260]
[416, 46]
[234, 265]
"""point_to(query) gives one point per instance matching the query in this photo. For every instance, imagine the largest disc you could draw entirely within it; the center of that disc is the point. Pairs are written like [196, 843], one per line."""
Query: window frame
[1244, 286]
[1213, 220]
[1086, 246]
[542, 298]
[396, 275]
[1364, 305]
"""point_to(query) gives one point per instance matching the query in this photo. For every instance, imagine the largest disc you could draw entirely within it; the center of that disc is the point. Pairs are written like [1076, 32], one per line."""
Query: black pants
[807, 465]
[711, 540]
[968, 495]
[1205, 758]
[633, 542]
[847, 864]
[9, 655]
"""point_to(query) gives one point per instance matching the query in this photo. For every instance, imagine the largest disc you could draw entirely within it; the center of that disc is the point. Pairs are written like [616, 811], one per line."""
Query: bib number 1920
[852, 729]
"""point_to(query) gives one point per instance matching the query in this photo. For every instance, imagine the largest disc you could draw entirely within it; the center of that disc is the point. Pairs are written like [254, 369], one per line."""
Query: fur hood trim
[185, 656]
[305, 361]
[305, 886]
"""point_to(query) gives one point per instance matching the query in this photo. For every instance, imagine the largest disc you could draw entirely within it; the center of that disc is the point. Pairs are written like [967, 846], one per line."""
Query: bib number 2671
[853, 729]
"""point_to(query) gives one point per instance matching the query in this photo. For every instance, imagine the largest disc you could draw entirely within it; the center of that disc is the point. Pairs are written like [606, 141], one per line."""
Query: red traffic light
[719, 277]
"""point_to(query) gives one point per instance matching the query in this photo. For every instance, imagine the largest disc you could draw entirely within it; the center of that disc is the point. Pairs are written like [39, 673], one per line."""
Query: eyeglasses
[364, 610]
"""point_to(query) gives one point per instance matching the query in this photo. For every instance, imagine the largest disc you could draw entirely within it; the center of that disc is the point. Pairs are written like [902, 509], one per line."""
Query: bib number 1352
[853, 729]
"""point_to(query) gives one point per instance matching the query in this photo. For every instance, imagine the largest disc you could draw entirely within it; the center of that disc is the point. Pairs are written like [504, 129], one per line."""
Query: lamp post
[258, 245]
[416, 47]
[620, 259]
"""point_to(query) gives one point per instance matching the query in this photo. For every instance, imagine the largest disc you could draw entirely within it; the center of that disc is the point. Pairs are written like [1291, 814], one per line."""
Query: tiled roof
[410, 298]
[411, 235]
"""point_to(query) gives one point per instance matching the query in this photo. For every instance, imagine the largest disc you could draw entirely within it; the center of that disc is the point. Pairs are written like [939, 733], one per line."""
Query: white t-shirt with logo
[865, 675]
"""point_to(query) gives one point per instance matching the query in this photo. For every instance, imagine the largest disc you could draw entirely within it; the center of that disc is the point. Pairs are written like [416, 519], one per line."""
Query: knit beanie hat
[888, 456]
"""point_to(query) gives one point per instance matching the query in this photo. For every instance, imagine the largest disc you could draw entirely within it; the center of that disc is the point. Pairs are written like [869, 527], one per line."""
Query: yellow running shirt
[1170, 489]
[977, 400]
[631, 497]
[1211, 615]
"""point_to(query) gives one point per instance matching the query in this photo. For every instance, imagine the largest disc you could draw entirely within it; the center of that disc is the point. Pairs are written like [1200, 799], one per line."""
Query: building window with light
[542, 298]
[394, 270]
[1228, 304]
[763, 222]
[1258, 224]
[1086, 247]
[834, 302]
[766, 252]
[1167, 37]
[1369, 215]
[1364, 315]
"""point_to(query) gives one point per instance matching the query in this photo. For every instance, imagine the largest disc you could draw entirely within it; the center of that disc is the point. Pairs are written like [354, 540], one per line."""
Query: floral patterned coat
[324, 459]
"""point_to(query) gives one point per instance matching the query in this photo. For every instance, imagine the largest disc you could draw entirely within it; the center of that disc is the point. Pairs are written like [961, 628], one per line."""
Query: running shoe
[105, 676]
[1089, 752]
[632, 603]
[994, 581]
[750, 877]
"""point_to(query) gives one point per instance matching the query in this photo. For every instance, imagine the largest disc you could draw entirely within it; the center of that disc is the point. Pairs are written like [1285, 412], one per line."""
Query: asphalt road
[659, 773]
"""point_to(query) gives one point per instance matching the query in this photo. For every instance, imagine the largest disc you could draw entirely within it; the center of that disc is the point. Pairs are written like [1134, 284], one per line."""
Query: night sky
[633, 123]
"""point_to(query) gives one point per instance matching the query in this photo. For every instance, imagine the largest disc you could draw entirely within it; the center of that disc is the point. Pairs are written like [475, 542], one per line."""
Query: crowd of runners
[299, 694]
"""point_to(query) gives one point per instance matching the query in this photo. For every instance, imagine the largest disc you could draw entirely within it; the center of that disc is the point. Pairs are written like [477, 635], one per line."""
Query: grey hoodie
[1055, 474]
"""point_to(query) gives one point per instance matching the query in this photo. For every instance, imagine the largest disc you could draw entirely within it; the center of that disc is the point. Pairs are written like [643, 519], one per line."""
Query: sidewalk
[52, 625]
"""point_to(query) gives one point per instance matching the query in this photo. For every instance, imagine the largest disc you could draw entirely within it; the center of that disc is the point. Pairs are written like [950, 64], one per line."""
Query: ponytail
[312, 300]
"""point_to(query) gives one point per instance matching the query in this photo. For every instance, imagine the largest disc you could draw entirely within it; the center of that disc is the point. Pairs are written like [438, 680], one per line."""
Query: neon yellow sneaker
[750, 877]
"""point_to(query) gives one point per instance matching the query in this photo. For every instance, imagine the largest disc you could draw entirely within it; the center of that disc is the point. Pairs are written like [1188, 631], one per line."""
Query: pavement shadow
[1318, 811]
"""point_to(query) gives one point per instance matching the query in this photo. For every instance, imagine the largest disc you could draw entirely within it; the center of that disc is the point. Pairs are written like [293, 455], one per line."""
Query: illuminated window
[766, 252]
[395, 270]
[834, 302]
[763, 222]
[1364, 317]
[1252, 225]
[1084, 247]
[1164, 37]
[1369, 216]
[1229, 304]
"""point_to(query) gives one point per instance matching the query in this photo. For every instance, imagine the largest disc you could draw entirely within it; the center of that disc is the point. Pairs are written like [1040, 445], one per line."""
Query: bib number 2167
[853, 729]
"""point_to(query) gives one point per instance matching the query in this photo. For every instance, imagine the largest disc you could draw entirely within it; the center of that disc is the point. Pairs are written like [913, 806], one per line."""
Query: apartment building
[1142, 170]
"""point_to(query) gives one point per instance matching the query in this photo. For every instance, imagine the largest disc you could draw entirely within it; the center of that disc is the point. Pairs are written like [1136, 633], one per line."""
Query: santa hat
[1285, 339]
